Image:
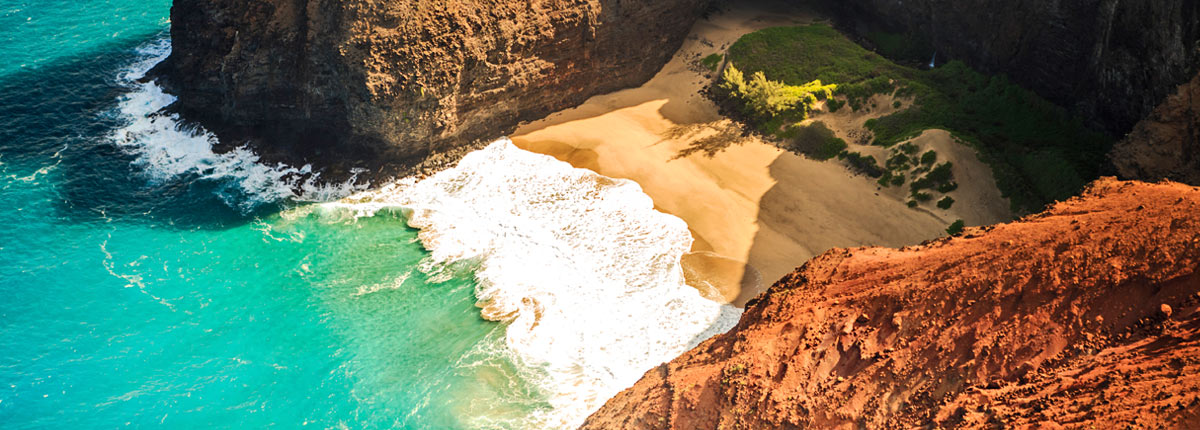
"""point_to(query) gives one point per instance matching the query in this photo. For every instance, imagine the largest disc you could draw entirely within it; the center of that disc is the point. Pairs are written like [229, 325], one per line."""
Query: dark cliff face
[1167, 143]
[1111, 61]
[392, 80]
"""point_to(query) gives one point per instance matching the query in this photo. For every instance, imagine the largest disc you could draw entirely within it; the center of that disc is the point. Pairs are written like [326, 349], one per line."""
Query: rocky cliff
[1112, 61]
[1087, 316]
[397, 79]
[1167, 143]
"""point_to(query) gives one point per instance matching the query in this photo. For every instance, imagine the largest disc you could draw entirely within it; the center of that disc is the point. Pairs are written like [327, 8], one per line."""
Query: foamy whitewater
[582, 266]
[167, 150]
[583, 270]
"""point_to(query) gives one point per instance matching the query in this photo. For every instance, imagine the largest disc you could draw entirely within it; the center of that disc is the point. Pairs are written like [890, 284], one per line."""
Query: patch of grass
[815, 140]
[956, 228]
[713, 61]
[945, 203]
[1037, 151]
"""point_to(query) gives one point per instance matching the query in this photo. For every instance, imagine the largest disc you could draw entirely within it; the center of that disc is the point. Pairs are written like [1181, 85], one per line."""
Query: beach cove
[754, 210]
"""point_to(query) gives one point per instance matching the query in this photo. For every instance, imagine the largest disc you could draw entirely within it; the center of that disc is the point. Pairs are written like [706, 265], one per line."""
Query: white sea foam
[165, 150]
[583, 268]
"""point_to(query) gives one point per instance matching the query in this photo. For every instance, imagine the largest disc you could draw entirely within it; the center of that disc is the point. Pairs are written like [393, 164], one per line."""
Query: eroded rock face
[1112, 61]
[1085, 315]
[397, 79]
[1167, 143]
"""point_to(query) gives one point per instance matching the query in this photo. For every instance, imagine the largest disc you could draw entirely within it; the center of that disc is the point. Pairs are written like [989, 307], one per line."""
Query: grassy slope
[1038, 153]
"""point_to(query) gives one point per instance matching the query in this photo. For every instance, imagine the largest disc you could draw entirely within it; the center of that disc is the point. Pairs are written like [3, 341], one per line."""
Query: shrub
[898, 180]
[942, 173]
[912, 203]
[956, 228]
[767, 100]
[920, 184]
[929, 158]
[863, 164]
[898, 161]
[947, 187]
[945, 203]
[923, 197]
[834, 104]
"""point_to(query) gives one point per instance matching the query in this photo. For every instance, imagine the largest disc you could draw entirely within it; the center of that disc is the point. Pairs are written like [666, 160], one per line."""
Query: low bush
[863, 164]
[929, 158]
[956, 228]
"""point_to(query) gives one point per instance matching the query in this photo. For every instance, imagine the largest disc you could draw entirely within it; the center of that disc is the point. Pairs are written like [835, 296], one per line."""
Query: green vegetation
[945, 203]
[775, 101]
[903, 48]
[815, 140]
[713, 61]
[929, 158]
[1038, 152]
[863, 164]
[732, 374]
[956, 228]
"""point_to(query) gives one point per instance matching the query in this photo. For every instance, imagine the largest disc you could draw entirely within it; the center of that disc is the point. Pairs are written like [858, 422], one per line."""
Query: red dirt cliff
[1084, 316]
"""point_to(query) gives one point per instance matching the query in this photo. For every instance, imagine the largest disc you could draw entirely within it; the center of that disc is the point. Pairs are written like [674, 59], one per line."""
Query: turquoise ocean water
[127, 301]
[147, 282]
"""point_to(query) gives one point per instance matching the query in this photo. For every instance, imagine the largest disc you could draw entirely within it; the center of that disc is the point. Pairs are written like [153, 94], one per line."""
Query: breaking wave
[582, 268]
[167, 150]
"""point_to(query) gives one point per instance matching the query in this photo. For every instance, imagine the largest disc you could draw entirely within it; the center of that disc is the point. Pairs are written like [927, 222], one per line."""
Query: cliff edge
[378, 81]
[1086, 314]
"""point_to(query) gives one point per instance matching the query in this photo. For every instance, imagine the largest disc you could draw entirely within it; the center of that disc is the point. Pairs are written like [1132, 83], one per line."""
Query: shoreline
[755, 210]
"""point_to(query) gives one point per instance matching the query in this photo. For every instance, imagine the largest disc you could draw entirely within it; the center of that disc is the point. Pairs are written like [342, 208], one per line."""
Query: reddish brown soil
[1085, 316]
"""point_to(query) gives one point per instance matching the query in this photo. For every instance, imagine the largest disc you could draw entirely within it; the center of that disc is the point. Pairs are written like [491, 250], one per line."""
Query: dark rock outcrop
[1167, 143]
[1085, 316]
[1112, 61]
[363, 80]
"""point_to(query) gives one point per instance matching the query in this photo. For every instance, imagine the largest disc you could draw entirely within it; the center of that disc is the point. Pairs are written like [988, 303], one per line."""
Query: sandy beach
[754, 210]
